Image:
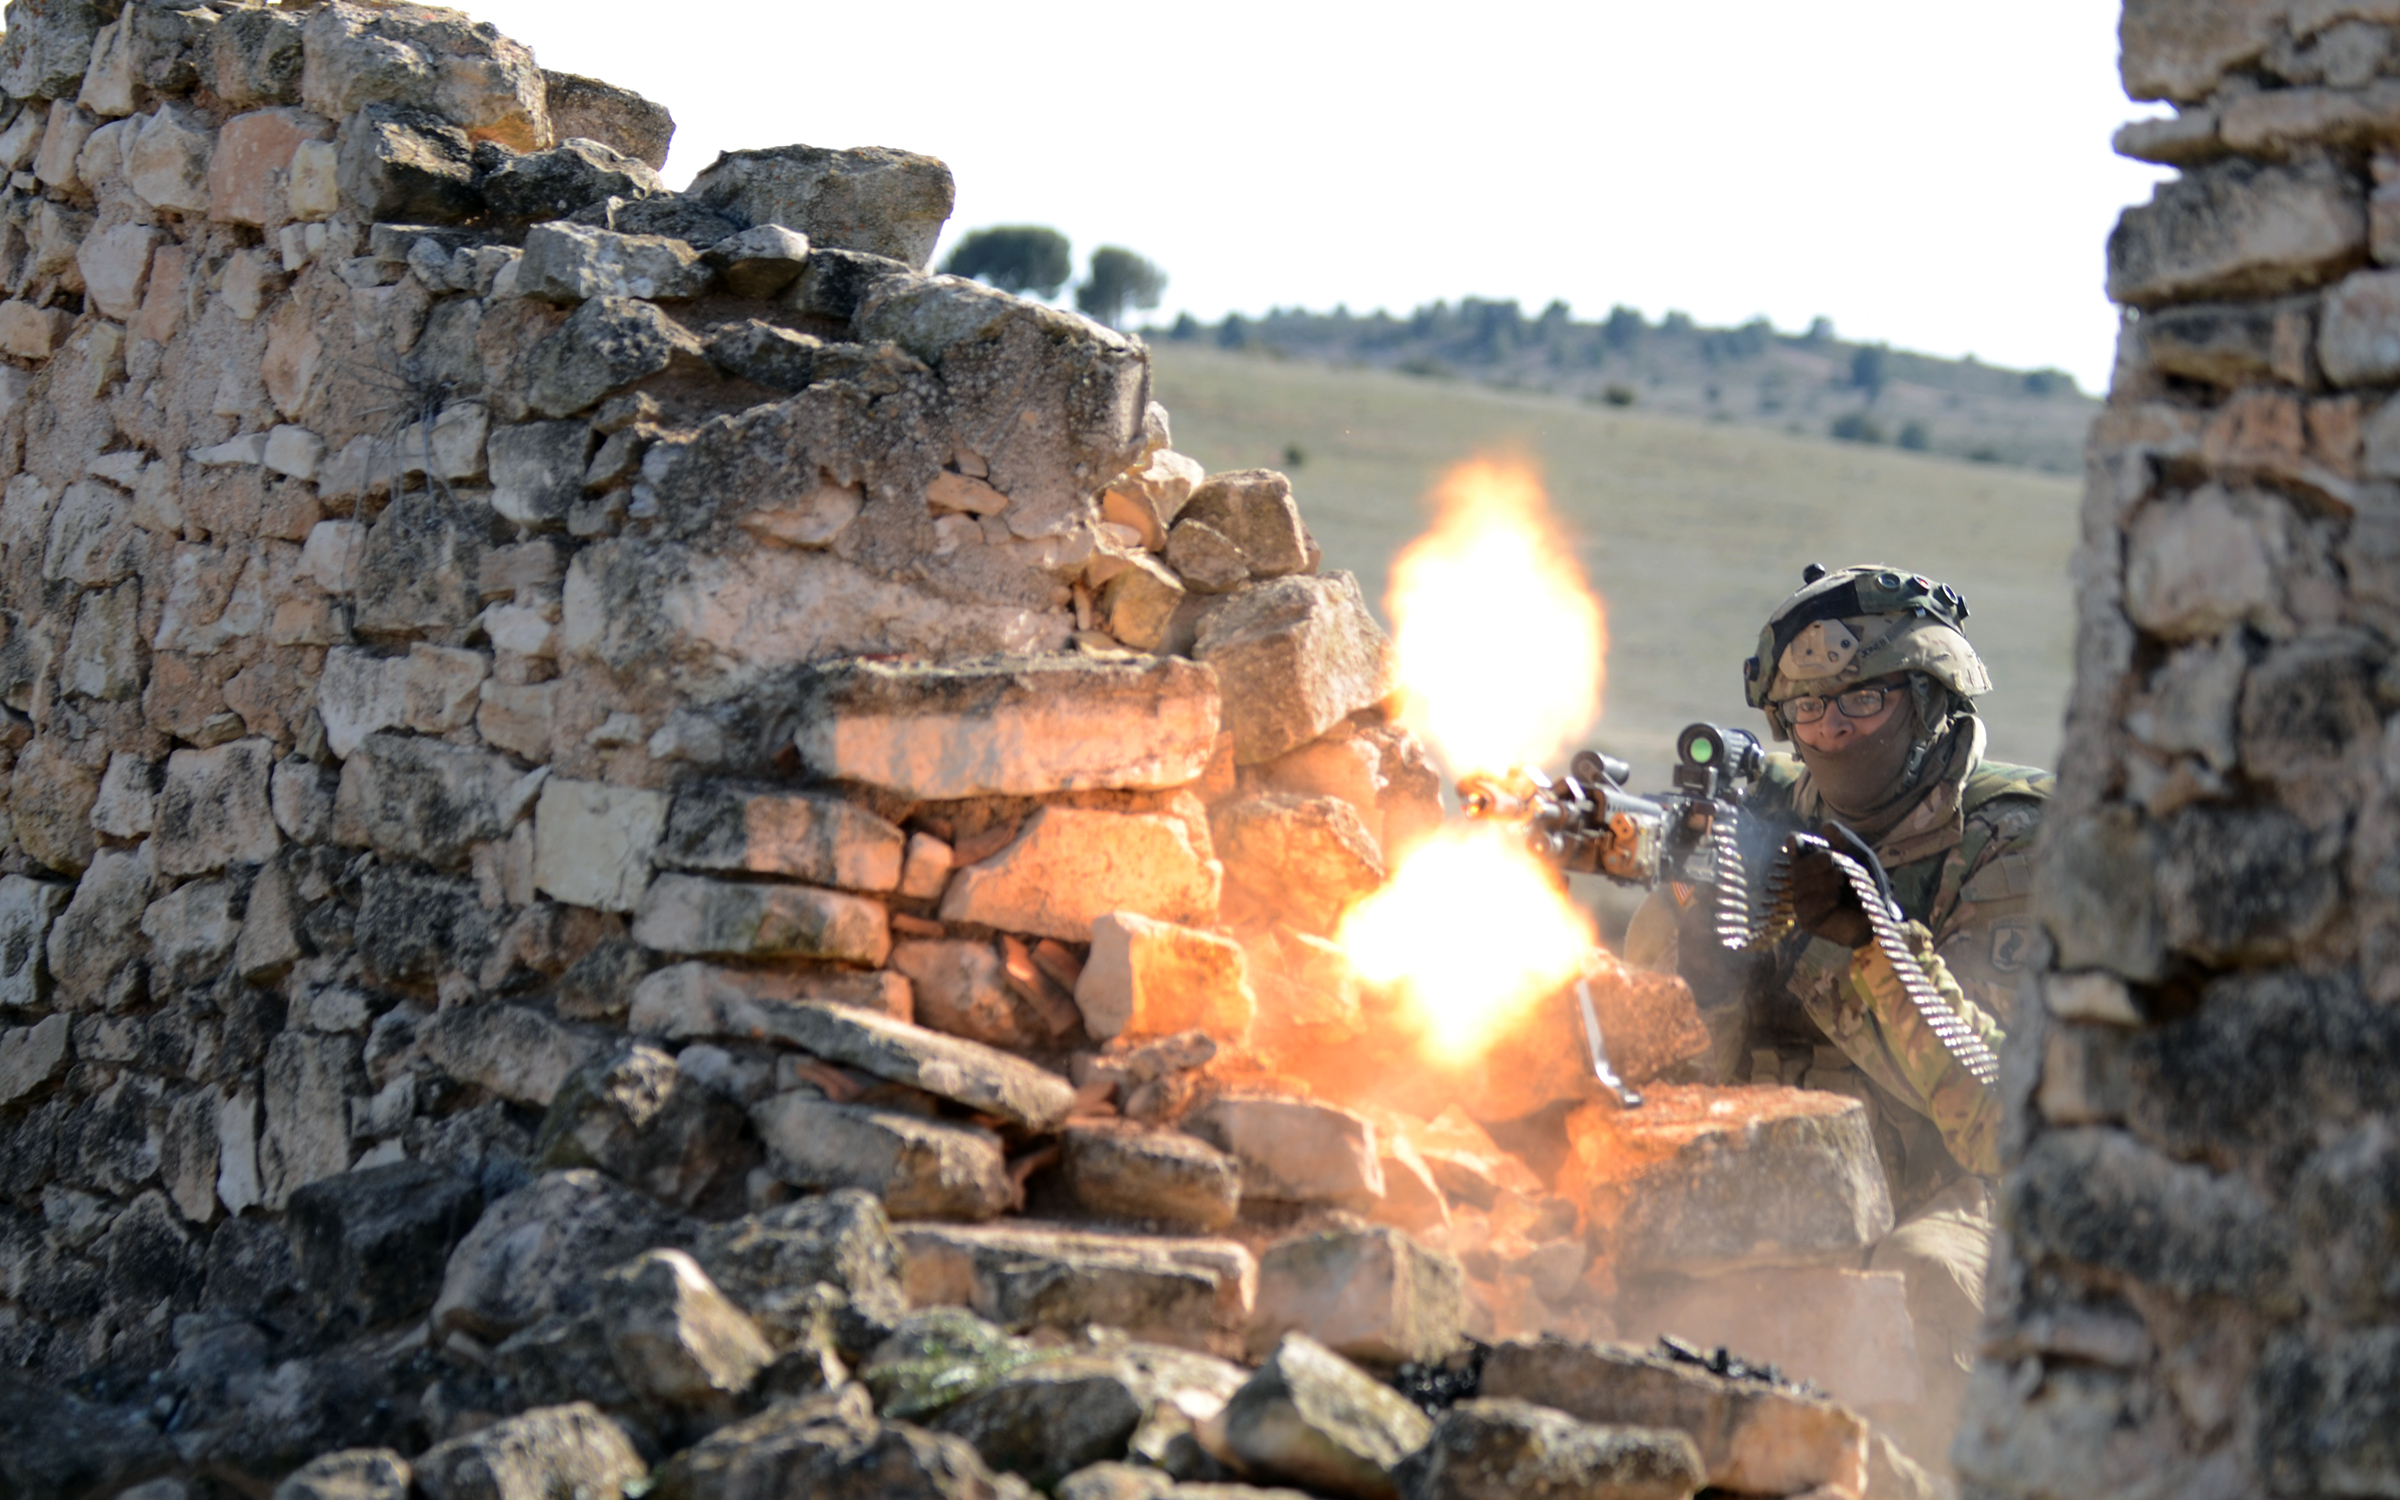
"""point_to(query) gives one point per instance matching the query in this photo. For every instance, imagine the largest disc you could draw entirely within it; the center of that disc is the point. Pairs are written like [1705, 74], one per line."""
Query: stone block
[1373, 1295]
[881, 202]
[308, 1085]
[27, 908]
[691, 914]
[827, 1445]
[51, 797]
[94, 939]
[520, 1054]
[1845, 1331]
[552, 1450]
[1293, 657]
[169, 162]
[213, 810]
[1649, 1022]
[424, 58]
[698, 1000]
[1009, 728]
[255, 58]
[537, 471]
[416, 575]
[349, 1473]
[533, 1252]
[618, 118]
[1071, 866]
[2201, 564]
[725, 827]
[1311, 1418]
[920, 1168]
[414, 924]
[2179, 51]
[47, 49]
[192, 930]
[841, 1238]
[116, 266]
[1049, 1418]
[569, 263]
[606, 345]
[1129, 1172]
[32, 1058]
[293, 451]
[925, 867]
[1193, 1293]
[420, 799]
[692, 1000]
[760, 262]
[764, 354]
[1702, 1178]
[542, 186]
[370, 1244]
[962, 988]
[30, 332]
[1753, 1437]
[1309, 859]
[1294, 1150]
[313, 189]
[440, 687]
[1151, 978]
[2238, 229]
[358, 694]
[1497, 1450]
[634, 1114]
[2358, 330]
[400, 165]
[252, 163]
[674, 1337]
[1253, 509]
[592, 842]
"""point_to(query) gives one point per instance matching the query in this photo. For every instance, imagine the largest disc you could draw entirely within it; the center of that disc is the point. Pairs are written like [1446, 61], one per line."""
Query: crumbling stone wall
[463, 600]
[2202, 1204]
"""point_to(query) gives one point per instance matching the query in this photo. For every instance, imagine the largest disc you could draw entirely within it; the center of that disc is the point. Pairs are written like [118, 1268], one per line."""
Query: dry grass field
[1692, 531]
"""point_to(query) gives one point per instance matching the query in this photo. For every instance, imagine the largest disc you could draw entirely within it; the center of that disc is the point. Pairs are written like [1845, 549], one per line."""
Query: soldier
[1867, 670]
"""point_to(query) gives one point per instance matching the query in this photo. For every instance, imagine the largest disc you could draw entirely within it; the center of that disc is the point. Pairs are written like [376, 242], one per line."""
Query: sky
[1933, 176]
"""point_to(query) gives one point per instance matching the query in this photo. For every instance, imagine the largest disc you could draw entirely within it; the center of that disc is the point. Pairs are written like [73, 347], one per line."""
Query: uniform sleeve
[1967, 1112]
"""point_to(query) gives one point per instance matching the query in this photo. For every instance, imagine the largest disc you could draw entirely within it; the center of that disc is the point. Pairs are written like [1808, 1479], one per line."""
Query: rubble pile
[2194, 1294]
[649, 851]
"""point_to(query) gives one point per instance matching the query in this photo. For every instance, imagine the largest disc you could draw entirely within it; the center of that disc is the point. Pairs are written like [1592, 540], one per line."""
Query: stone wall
[459, 594]
[2202, 1205]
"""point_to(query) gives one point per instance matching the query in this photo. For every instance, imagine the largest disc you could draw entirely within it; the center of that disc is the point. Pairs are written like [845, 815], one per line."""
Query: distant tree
[1624, 327]
[1820, 331]
[1117, 277]
[1867, 371]
[1857, 427]
[1233, 333]
[1677, 325]
[2048, 382]
[1186, 328]
[1916, 436]
[1017, 258]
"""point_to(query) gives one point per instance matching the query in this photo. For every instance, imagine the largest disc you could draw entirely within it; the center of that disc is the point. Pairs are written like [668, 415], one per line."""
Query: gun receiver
[1586, 822]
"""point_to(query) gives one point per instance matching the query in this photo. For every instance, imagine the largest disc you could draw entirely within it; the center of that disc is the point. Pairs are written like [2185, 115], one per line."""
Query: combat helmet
[1856, 624]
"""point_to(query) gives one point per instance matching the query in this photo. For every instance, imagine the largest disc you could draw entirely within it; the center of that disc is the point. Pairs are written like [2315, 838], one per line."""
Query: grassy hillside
[1692, 531]
[1808, 384]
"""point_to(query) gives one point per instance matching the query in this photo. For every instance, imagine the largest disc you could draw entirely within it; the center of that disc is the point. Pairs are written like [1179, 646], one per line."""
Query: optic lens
[1703, 751]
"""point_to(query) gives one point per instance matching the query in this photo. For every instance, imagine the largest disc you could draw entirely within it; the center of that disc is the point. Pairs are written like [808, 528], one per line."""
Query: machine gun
[1587, 822]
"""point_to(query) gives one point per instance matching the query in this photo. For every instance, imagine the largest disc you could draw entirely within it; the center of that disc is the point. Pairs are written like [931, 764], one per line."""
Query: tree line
[1029, 259]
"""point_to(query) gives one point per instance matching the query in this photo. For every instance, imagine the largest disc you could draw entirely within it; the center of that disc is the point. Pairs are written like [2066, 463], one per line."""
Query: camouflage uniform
[1834, 1018]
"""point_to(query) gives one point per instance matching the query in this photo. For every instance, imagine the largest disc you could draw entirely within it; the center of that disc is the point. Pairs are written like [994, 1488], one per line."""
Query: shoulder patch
[2012, 940]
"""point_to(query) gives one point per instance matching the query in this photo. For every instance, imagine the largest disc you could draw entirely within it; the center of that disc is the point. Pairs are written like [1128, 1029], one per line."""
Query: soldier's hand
[1824, 905]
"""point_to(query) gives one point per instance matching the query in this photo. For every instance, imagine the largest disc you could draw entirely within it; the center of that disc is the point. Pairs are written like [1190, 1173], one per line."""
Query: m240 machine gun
[1587, 822]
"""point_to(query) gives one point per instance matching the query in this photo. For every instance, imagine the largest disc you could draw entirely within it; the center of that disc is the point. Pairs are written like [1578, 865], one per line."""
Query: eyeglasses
[1858, 703]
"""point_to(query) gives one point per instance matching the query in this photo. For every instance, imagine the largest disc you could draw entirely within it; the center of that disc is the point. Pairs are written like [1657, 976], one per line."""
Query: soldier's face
[1837, 730]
